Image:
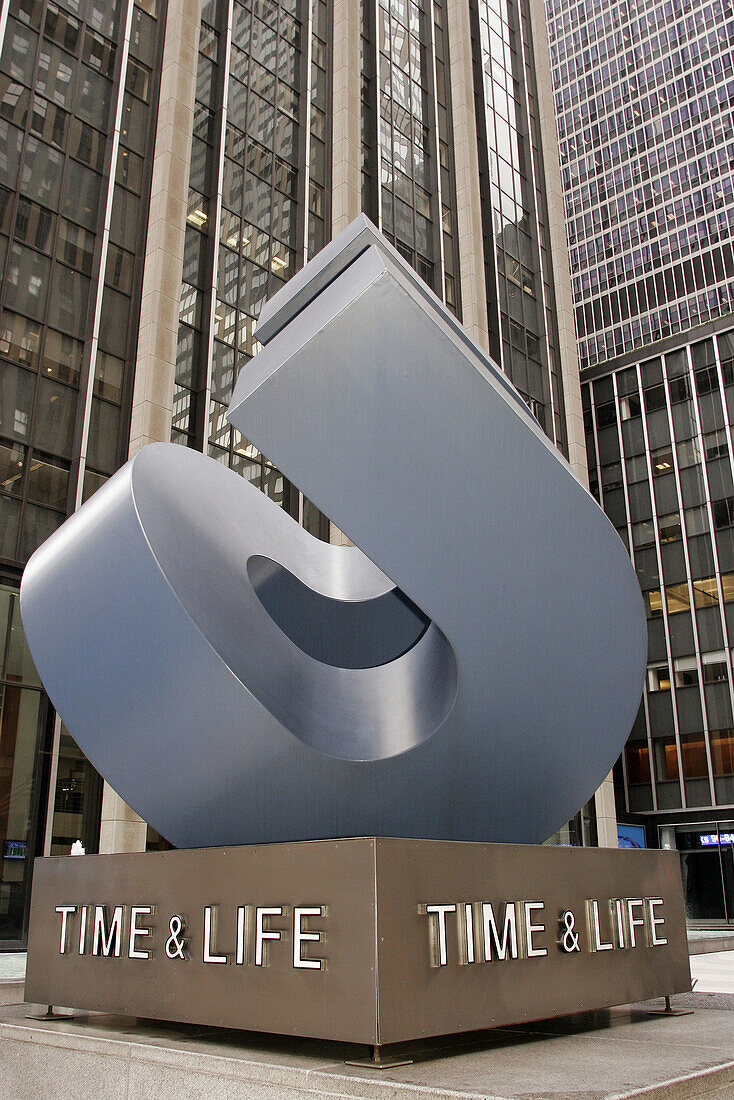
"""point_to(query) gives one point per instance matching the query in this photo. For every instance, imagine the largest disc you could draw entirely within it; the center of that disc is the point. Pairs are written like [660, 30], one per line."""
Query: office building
[644, 96]
[165, 167]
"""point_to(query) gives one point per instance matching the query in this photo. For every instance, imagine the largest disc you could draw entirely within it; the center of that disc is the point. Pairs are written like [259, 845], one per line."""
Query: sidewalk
[713, 973]
[619, 1054]
[12, 966]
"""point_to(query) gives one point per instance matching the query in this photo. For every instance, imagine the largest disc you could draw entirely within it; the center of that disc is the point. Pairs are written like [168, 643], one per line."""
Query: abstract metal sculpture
[470, 672]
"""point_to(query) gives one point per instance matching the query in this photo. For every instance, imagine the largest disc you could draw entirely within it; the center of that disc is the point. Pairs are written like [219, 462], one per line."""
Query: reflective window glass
[38, 525]
[119, 271]
[678, 598]
[40, 176]
[99, 54]
[19, 51]
[56, 416]
[104, 430]
[76, 246]
[80, 200]
[34, 225]
[9, 521]
[47, 482]
[49, 122]
[12, 466]
[94, 98]
[68, 301]
[61, 27]
[62, 357]
[26, 285]
[55, 74]
[20, 338]
[108, 376]
[87, 144]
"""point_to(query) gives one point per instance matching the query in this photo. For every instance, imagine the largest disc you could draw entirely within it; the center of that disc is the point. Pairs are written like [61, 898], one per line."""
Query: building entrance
[707, 867]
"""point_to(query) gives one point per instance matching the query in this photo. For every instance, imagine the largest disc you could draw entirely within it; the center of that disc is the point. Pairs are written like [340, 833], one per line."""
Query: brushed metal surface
[337, 1002]
[417, 1000]
[470, 672]
[378, 984]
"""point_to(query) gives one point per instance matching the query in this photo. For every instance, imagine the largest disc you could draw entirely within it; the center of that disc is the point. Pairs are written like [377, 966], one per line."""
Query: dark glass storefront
[23, 721]
[707, 867]
[36, 755]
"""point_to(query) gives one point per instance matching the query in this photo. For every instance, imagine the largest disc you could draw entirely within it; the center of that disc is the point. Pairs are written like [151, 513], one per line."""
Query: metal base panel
[372, 940]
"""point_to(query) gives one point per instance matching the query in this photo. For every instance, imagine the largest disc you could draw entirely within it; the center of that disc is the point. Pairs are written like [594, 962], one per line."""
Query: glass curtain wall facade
[258, 209]
[520, 292]
[78, 96]
[644, 95]
[83, 150]
[260, 181]
[408, 170]
[659, 439]
[644, 100]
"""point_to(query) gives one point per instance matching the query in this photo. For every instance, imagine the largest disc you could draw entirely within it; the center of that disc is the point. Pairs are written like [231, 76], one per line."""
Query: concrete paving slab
[11, 993]
[702, 940]
[713, 973]
[609, 1055]
[12, 966]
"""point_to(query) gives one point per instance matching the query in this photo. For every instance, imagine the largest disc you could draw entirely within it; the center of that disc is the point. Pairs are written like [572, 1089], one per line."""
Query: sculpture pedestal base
[374, 941]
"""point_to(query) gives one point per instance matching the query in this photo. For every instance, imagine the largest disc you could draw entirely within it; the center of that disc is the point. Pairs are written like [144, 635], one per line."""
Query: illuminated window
[662, 462]
[654, 603]
[678, 598]
[658, 677]
[706, 591]
[693, 752]
[670, 527]
[638, 762]
[722, 751]
[666, 760]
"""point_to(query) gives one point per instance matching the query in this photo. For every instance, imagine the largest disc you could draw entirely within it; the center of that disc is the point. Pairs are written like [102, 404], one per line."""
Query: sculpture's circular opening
[369, 679]
[342, 633]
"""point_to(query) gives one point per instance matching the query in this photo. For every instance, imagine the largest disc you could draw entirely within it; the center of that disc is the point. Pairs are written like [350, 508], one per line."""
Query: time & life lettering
[130, 931]
[484, 932]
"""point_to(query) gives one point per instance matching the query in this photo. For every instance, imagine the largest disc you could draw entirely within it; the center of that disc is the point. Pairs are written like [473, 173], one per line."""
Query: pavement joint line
[311, 1077]
[708, 1078]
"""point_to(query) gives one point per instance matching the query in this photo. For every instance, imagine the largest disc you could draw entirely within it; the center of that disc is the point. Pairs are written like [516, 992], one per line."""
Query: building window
[658, 677]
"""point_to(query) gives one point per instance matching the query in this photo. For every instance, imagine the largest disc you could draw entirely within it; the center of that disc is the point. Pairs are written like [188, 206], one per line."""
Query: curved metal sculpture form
[238, 681]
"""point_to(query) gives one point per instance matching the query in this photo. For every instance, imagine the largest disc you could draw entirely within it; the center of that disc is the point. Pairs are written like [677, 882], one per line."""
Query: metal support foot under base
[379, 1061]
[49, 1014]
[669, 1010]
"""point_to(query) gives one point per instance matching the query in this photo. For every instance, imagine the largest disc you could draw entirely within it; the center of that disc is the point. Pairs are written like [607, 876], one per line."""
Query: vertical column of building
[557, 251]
[346, 114]
[152, 404]
[466, 159]
[562, 319]
[517, 270]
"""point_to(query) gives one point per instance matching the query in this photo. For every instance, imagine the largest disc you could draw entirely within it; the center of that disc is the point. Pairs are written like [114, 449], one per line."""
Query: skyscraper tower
[644, 97]
[165, 168]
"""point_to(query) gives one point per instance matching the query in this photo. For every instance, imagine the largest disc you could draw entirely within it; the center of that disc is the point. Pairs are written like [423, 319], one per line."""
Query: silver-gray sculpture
[470, 672]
